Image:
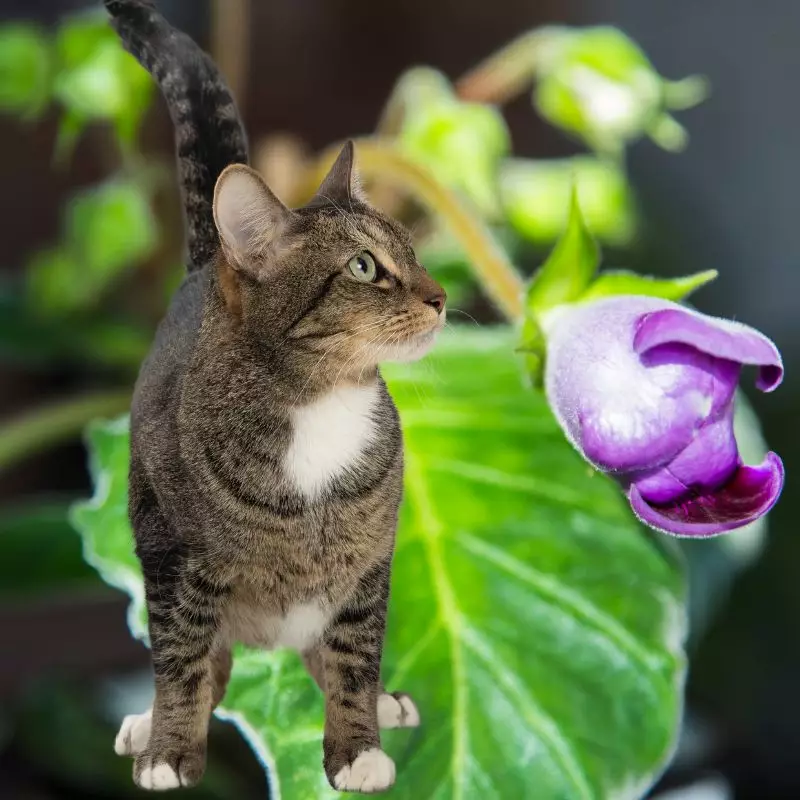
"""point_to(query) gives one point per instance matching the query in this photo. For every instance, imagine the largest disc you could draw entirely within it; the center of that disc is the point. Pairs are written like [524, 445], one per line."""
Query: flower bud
[644, 389]
[598, 84]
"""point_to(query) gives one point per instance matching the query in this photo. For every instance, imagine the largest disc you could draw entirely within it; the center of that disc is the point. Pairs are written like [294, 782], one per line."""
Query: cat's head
[335, 277]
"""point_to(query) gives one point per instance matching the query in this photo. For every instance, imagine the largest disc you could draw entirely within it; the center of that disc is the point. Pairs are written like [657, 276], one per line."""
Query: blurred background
[88, 262]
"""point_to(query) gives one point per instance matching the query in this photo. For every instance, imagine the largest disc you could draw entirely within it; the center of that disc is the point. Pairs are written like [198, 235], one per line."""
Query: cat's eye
[363, 267]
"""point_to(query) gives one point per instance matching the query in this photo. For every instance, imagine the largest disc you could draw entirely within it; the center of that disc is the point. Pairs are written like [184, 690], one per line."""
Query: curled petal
[751, 493]
[717, 337]
[709, 461]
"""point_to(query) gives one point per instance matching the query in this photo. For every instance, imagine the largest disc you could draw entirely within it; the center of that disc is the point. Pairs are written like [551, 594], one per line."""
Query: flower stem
[34, 431]
[379, 159]
[510, 71]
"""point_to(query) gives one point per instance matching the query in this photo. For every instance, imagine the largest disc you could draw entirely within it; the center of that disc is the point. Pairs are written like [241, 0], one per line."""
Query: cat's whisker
[346, 334]
[469, 316]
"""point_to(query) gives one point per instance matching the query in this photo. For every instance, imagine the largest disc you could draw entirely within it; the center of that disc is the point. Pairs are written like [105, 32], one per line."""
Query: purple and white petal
[751, 493]
[708, 462]
[717, 337]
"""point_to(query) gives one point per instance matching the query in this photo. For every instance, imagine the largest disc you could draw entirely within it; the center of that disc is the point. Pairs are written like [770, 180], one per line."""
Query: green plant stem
[510, 71]
[34, 431]
[380, 159]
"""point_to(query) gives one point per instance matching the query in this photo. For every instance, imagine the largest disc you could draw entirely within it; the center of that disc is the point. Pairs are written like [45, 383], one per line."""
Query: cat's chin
[412, 349]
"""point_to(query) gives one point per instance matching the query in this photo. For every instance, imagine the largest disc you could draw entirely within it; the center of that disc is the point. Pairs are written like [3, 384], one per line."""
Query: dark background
[322, 68]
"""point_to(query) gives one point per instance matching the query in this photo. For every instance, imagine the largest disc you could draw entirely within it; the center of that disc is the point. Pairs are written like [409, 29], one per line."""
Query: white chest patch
[329, 436]
[299, 628]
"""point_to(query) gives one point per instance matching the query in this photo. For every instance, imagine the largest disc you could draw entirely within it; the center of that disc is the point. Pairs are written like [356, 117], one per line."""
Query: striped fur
[209, 134]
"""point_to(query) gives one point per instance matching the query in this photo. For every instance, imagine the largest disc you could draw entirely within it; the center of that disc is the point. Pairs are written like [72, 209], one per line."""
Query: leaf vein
[536, 717]
[581, 609]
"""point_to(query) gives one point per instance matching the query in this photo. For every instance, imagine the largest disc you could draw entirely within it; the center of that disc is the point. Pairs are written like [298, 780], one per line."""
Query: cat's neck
[279, 371]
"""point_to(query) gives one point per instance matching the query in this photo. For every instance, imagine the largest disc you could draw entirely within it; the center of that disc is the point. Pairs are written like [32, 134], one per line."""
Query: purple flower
[644, 389]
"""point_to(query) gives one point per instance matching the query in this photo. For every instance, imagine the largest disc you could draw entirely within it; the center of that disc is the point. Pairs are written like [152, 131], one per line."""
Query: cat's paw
[397, 711]
[134, 734]
[372, 771]
[168, 770]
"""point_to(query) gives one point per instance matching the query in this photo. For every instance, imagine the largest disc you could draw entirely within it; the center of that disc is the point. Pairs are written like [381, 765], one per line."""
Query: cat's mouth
[414, 346]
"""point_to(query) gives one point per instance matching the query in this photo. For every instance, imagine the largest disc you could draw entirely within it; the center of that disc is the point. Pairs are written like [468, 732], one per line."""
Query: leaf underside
[537, 626]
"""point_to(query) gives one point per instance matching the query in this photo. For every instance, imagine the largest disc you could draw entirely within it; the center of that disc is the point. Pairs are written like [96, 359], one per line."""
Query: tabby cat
[266, 452]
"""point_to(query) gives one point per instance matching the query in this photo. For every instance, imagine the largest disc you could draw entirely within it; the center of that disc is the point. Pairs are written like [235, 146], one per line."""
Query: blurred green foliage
[107, 230]
[461, 143]
[98, 80]
[25, 70]
[40, 551]
[599, 85]
[38, 340]
[536, 198]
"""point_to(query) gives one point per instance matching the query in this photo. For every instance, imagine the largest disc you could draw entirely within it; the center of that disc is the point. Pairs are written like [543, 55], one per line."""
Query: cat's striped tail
[209, 134]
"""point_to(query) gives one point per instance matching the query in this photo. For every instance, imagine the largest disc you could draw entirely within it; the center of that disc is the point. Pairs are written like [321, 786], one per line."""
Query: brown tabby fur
[264, 325]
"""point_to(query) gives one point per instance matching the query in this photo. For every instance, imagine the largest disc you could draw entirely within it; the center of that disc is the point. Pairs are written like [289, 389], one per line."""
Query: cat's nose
[436, 301]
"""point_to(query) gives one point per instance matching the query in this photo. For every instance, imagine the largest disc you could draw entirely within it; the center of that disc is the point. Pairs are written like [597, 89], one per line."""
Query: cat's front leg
[351, 659]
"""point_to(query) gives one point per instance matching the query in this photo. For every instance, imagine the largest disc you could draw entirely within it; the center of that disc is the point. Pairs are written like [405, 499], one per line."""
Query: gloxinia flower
[644, 389]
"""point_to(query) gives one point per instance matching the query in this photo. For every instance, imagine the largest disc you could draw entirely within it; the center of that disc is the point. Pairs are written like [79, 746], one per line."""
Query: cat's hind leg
[395, 709]
[184, 608]
[183, 623]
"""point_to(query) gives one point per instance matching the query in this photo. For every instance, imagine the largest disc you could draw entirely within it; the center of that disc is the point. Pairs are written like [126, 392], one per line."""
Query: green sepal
[533, 348]
[621, 282]
[570, 267]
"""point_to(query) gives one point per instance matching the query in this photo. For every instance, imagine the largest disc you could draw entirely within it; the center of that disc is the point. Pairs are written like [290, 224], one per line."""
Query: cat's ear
[247, 214]
[341, 185]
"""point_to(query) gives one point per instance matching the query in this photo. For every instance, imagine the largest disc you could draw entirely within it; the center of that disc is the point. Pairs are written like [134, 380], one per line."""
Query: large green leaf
[537, 625]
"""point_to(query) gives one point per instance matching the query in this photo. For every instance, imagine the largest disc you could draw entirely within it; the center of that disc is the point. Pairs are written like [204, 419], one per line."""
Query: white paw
[159, 777]
[134, 733]
[397, 712]
[372, 771]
